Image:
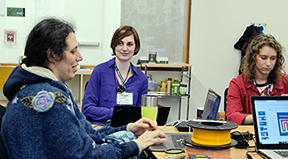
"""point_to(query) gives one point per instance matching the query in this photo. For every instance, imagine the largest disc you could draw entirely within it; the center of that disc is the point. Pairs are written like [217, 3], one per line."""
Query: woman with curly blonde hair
[263, 74]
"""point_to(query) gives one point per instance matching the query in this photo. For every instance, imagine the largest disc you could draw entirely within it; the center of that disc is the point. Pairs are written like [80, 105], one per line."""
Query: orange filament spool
[213, 154]
[211, 137]
[211, 132]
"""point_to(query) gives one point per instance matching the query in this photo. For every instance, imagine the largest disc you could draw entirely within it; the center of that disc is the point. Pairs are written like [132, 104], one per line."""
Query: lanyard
[119, 74]
[269, 87]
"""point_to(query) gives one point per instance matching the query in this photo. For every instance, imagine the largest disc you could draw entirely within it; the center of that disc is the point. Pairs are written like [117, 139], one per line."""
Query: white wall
[215, 27]
[94, 20]
[158, 30]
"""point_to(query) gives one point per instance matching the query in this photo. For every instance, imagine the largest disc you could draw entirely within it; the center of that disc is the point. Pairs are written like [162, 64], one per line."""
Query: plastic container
[163, 89]
[175, 88]
[164, 84]
[152, 85]
[152, 57]
[169, 82]
[183, 89]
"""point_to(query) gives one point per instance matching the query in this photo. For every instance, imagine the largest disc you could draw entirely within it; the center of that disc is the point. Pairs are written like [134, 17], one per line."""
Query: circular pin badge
[43, 101]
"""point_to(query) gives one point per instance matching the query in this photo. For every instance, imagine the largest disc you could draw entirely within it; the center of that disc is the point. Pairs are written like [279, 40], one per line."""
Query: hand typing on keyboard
[147, 131]
[151, 137]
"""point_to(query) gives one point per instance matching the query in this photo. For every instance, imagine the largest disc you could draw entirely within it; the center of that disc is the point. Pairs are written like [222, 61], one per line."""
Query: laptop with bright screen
[211, 106]
[270, 117]
[210, 110]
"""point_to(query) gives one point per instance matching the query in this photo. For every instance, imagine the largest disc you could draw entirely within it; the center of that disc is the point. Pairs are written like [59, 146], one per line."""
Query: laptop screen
[211, 105]
[270, 116]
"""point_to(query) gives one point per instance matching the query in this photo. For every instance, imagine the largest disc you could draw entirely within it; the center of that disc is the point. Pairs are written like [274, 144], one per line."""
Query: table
[235, 153]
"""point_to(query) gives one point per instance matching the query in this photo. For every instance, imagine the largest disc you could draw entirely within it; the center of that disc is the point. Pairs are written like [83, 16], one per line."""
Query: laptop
[211, 106]
[123, 115]
[174, 140]
[210, 111]
[270, 118]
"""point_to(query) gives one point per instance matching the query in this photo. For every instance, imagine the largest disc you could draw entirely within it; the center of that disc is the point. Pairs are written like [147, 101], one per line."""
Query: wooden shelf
[88, 66]
[4, 102]
[9, 64]
[81, 73]
[181, 67]
[172, 66]
[164, 94]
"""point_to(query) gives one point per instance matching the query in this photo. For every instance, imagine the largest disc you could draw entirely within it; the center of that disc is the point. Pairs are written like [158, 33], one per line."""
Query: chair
[3, 151]
[225, 99]
[86, 85]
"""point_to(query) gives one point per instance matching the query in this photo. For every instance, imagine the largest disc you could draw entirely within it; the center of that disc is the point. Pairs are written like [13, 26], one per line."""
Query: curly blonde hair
[253, 49]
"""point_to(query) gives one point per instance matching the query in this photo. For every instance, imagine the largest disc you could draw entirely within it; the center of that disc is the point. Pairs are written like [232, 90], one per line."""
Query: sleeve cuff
[128, 127]
[139, 146]
[130, 149]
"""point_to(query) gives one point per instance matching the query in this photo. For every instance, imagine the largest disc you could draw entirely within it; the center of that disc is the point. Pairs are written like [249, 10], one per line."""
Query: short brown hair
[123, 32]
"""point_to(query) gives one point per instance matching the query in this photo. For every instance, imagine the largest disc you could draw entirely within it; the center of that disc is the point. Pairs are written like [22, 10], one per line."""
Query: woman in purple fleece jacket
[42, 119]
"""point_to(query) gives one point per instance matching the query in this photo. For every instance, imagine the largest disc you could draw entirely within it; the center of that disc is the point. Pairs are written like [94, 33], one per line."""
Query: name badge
[125, 98]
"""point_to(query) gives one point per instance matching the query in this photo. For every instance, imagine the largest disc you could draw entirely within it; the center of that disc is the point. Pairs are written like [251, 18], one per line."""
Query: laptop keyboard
[282, 153]
[176, 138]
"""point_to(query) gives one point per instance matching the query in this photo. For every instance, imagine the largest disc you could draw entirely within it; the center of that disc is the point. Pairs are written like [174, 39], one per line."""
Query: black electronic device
[236, 135]
[123, 115]
[242, 138]
[183, 127]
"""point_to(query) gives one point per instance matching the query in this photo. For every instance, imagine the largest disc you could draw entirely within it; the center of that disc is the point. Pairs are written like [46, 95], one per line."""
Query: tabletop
[233, 152]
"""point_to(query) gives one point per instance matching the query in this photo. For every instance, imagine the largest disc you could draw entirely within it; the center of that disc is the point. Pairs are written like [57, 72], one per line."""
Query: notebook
[270, 117]
[123, 115]
[210, 111]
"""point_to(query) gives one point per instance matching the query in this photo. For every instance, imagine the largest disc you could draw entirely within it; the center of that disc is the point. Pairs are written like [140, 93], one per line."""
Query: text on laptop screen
[272, 121]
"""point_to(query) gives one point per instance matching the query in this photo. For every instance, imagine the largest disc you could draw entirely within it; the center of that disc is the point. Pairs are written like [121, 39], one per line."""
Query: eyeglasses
[120, 89]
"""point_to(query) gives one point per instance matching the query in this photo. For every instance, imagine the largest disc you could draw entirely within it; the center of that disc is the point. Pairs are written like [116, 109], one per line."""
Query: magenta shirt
[100, 96]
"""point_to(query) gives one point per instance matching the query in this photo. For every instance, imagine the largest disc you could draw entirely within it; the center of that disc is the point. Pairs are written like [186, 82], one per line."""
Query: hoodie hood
[22, 75]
